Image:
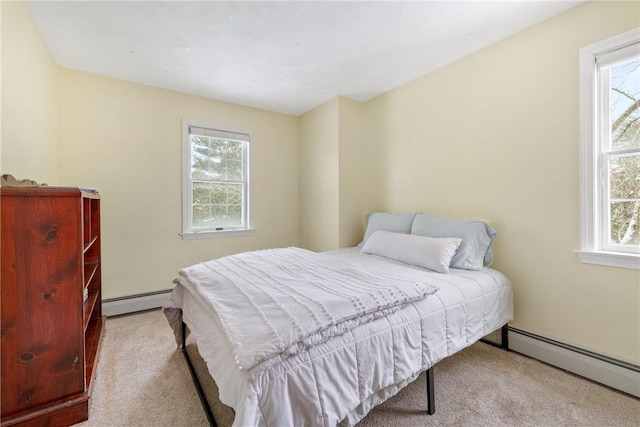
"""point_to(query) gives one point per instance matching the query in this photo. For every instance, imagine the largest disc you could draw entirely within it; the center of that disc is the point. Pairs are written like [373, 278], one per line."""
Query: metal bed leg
[203, 399]
[504, 337]
[431, 398]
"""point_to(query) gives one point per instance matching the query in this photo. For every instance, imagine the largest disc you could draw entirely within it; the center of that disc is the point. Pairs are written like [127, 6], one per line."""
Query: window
[215, 181]
[610, 151]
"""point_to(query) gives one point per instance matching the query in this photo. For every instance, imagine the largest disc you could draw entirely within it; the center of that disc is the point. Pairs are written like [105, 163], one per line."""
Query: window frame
[594, 247]
[188, 231]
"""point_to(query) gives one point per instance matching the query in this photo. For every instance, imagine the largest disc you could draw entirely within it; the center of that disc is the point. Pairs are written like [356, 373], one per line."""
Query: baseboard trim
[611, 372]
[133, 303]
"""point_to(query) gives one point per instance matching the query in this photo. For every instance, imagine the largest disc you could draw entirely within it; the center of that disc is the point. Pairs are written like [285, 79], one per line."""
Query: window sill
[215, 234]
[611, 259]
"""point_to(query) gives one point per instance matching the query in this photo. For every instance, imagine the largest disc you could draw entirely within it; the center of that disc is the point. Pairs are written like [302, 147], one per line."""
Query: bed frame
[431, 399]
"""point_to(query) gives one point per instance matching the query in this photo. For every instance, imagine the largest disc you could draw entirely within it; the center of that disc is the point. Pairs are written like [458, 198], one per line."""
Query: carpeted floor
[143, 380]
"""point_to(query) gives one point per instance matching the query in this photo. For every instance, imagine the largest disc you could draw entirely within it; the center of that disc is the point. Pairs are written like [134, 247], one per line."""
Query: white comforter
[339, 380]
[278, 302]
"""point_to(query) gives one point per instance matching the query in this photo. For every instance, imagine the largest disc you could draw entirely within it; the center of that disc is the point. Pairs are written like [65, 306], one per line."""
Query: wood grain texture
[45, 335]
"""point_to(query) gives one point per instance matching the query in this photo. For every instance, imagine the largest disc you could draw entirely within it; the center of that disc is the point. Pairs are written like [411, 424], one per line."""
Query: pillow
[396, 223]
[477, 237]
[428, 252]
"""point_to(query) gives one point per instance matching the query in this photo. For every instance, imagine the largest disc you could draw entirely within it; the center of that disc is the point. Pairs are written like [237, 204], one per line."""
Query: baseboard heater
[614, 373]
[133, 303]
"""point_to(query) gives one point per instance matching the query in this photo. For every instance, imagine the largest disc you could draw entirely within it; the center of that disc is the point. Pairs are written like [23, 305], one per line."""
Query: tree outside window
[623, 154]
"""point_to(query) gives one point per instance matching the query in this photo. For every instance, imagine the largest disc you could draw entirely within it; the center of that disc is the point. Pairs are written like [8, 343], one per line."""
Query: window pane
[218, 194]
[217, 169]
[219, 215]
[235, 215]
[234, 150]
[201, 192]
[201, 216]
[234, 194]
[217, 147]
[200, 154]
[623, 232]
[234, 170]
[624, 106]
[624, 199]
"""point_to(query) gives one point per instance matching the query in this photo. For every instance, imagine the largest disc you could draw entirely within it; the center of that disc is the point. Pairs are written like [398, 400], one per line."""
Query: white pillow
[428, 252]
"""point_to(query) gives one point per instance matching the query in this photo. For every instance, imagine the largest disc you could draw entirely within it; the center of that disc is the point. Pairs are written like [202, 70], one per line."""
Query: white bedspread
[282, 301]
[339, 380]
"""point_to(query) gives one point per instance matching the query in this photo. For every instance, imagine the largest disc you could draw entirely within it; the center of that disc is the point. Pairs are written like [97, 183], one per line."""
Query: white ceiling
[287, 56]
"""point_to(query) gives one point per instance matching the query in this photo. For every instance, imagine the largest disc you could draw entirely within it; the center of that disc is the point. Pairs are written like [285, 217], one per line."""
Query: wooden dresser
[51, 310]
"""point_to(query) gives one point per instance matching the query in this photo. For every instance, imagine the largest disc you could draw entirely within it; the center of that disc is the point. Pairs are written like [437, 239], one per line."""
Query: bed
[336, 375]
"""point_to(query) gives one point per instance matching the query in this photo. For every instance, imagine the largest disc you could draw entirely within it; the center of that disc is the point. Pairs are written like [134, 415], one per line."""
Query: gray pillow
[394, 223]
[477, 237]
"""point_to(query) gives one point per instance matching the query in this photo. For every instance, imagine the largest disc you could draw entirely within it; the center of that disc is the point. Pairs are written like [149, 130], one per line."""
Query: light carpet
[142, 380]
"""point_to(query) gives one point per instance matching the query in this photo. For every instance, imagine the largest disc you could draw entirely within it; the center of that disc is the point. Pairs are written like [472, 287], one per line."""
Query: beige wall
[125, 139]
[331, 175]
[320, 177]
[495, 136]
[351, 167]
[29, 96]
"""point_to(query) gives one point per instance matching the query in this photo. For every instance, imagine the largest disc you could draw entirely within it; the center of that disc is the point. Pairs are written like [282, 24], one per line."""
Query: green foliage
[216, 170]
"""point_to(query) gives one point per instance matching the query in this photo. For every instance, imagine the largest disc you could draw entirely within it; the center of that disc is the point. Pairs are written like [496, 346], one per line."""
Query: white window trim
[186, 170]
[590, 247]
